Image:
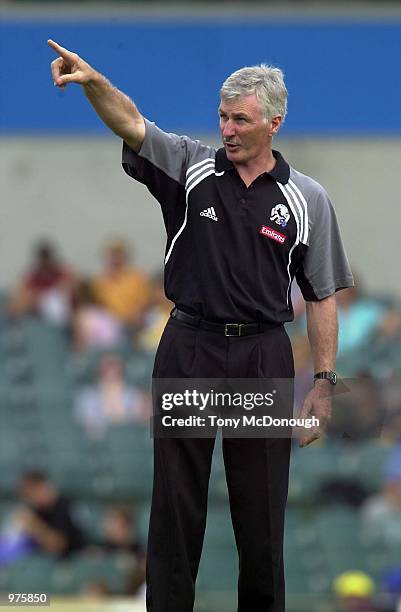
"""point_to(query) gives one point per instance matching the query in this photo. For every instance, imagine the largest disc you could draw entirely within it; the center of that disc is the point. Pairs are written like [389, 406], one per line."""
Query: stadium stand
[39, 377]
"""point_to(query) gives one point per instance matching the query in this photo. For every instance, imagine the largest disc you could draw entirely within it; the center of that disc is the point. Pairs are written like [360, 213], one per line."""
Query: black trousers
[256, 472]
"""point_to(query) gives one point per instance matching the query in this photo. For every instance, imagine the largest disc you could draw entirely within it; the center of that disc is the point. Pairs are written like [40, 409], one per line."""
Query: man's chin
[233, 154]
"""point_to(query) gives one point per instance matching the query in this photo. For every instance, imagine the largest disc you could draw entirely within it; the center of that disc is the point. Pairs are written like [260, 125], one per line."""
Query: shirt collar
[280, 172]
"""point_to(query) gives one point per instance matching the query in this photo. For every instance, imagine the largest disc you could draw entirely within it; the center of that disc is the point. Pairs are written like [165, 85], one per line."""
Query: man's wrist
[322, 382]
[94, 81]
[326, 376]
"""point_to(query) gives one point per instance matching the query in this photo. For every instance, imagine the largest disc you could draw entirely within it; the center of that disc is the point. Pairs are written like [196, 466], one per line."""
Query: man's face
[245, 133]
[111, 369]
[116, 257]
[36, 494]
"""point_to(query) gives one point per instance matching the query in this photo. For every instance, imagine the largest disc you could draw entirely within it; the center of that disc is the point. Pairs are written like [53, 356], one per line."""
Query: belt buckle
[237, 327]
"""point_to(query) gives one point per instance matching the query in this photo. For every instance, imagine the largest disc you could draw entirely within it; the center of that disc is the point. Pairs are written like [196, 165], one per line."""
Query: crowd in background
[123, 305]
[123, 300]
[120, 305]
[98, 315]
[98, 311]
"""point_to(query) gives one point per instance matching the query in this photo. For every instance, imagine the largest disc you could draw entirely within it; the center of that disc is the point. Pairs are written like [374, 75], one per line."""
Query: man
[46, 288]
[122, 288]
[47, 519]
[240, 224]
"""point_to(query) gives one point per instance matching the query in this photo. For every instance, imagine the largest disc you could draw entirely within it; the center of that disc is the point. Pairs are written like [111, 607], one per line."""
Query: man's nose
[228, 129]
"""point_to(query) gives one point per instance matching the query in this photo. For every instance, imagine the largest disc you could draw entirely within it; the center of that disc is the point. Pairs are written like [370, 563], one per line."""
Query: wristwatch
[330, 376]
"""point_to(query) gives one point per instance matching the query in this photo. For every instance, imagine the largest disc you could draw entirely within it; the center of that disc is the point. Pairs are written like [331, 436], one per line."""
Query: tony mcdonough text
[213, 420]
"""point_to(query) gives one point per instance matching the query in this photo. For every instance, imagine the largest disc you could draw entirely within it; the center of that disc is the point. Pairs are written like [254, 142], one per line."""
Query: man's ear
[275, 124]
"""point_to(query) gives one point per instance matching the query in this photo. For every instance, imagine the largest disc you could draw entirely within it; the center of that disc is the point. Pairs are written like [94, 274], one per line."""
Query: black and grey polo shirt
[232, 251]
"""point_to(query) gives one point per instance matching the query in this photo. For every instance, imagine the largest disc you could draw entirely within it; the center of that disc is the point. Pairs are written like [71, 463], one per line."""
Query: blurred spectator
[14, 542]
[340, 491]
[120, 537]
[354, 591]
[119, 531]
[358, 411]
[391, 324]
[45, 289]
[391, 589]
[96, 590]
[93, 327]
[156, 316]
[359, 318]
[381, 513]
[111, 401]
[46, 516]
[391, 393]
[124, 290]
[369, 340]
[385, 358]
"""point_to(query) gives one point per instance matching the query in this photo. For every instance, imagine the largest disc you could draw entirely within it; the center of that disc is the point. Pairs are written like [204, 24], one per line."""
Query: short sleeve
[325, 268]
[163, 161]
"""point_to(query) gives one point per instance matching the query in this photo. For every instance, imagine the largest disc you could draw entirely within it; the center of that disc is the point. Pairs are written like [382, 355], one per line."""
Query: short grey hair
[267, 82]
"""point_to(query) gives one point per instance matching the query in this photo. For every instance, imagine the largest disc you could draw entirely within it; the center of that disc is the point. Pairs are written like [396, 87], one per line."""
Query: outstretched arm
[115, 109]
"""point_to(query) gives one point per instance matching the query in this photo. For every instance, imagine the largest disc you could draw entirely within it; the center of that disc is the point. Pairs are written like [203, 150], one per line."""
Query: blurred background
[82, 305]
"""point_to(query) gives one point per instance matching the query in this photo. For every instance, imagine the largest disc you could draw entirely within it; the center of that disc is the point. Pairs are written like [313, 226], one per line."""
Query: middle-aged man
[241, 223]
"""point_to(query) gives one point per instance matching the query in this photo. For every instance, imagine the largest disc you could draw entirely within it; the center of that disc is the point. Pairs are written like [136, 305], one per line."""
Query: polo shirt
[232, 251]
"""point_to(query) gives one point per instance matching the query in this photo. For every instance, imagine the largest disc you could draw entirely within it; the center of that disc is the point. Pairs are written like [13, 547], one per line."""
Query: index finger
[60, 50]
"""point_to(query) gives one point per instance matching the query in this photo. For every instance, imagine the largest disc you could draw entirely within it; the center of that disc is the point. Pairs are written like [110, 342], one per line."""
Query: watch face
[333, 378]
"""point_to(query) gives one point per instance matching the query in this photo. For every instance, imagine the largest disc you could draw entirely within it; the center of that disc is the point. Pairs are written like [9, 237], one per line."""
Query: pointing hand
[69, 67]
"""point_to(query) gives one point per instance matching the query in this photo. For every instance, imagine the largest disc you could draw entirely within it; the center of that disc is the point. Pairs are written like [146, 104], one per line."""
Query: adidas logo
[209, 212]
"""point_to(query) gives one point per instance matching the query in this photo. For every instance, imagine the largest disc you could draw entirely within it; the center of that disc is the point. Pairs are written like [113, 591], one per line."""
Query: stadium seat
[142, 516]
[112, 569]
[218, 570]
[30, 574]
[138, 369]
[219, 530]
[310, 467]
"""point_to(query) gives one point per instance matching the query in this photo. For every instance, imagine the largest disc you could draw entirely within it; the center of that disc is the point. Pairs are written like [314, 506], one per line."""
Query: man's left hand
[27, 520]
[318, 404]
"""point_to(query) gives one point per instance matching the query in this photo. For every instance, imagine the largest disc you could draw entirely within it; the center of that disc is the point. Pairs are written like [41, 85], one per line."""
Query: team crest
[280, 215]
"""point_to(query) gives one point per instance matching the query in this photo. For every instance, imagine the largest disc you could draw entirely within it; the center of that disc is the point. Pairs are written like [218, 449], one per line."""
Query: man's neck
[254, 168]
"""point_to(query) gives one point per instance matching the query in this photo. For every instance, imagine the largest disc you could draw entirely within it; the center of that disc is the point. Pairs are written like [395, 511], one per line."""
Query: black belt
[227, 329]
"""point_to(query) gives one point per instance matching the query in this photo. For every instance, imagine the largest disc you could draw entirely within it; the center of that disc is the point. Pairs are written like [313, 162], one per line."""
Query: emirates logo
[273, 234]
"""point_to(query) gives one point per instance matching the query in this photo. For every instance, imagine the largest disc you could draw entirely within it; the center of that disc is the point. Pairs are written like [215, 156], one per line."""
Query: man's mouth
[231, 145]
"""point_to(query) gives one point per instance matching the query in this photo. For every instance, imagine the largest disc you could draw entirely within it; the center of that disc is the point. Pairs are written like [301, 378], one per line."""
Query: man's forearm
[49, 539]
[116, 109]
[323, 332]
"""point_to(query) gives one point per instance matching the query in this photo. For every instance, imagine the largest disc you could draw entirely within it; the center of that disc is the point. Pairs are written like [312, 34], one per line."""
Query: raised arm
[114, 108]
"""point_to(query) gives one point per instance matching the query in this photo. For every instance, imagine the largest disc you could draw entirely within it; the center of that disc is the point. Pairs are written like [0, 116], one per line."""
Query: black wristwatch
[330, 376]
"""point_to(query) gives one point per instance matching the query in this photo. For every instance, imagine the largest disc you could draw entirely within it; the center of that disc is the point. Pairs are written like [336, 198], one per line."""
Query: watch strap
[329, 375]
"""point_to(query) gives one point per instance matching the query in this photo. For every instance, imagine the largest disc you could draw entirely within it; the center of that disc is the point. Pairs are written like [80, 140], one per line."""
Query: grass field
[209, 603]
[80, 605]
